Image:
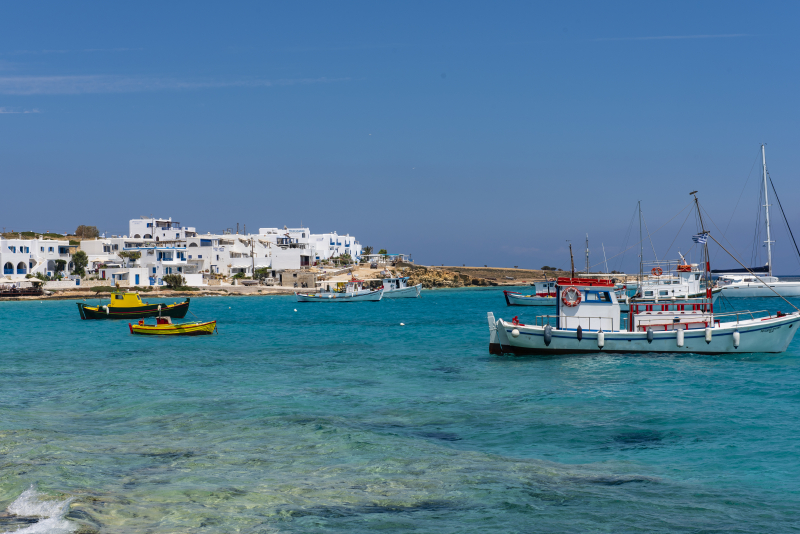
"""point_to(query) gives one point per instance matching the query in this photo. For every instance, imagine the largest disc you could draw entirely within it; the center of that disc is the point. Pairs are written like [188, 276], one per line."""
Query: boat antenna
[571, 260]
[766, 207]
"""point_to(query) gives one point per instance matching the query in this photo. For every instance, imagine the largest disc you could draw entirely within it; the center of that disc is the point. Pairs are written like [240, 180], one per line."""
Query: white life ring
[571, 297]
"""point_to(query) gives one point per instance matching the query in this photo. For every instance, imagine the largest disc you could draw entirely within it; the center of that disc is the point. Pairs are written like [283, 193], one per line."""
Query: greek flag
[700, 238]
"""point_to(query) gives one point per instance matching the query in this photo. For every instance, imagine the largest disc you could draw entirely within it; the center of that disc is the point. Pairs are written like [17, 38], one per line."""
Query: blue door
[137, 279]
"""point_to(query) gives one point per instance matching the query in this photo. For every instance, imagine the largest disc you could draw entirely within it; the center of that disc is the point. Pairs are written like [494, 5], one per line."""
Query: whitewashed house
[20, 257]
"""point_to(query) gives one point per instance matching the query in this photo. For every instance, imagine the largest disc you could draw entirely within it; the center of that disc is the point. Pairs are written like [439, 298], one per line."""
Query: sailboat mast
[605, 260]
[766, 207]
[571, 261]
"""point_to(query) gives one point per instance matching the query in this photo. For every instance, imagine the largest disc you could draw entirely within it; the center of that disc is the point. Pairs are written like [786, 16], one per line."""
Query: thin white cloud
[11, 111]
[75, 85]
[64, 51]
[665, 37]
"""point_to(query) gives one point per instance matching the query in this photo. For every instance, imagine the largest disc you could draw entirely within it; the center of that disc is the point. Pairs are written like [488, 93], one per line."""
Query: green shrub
[103, 289]
[174, 280]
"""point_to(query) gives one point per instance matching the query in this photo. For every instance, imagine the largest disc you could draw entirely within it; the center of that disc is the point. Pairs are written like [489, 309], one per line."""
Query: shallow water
[335, 418]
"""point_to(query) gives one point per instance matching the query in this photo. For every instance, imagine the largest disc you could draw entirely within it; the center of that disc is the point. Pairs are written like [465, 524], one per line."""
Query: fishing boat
[129, 305]
[350, 291]
[759, 281]
[588, 319]
[165, 327]
[398, 288]
[544, 295]
[668, 280]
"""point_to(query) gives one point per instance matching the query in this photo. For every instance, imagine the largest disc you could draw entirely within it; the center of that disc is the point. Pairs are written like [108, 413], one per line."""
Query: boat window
[663, 293]
[603, 297]
[119, 297]
[697, 276]
[648, 293]
[749, 280]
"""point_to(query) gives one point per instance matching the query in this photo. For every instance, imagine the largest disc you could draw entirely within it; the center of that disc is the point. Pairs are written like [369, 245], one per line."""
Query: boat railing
[740, 313]
[687, 305]
[597, 322]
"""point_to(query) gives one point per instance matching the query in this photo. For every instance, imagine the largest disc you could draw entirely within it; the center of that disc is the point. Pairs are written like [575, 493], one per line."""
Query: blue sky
[477, 133]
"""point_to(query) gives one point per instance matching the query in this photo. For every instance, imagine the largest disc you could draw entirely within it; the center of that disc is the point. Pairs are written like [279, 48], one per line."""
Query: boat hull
[518, 299]
[176, 311]
[367, 296]
[404, 293]
[749, 290]
[771, 335]
[188, 329]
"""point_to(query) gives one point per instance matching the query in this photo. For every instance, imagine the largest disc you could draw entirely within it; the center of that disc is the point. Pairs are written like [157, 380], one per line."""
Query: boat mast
[766, 206]
[605, 260]
[641, 252]
[571, 260]
[587, 253]
[706, 259]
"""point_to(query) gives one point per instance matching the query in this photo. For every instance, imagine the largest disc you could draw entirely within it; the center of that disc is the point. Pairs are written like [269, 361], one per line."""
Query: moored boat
[398, 288]
[130, 306]
[543, 295]
[165, 327]
[588, 320]
[350, 291]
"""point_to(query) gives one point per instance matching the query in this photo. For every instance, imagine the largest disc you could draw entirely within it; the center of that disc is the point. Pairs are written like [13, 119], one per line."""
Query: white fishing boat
[398, 288]
[588, 320]
[750, 283]
[350, 291]
[668, 280]
[544, 295]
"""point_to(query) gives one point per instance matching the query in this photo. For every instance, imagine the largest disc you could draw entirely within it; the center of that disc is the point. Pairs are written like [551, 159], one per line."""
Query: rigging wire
[740, 198]
[755, 254]
[627, 236]
[649, 237]
[785, 220]
[654, 232]
[717, 227]
[677, 234]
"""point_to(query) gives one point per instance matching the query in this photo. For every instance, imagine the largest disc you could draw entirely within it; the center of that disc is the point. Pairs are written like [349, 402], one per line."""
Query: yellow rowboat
[164, 327]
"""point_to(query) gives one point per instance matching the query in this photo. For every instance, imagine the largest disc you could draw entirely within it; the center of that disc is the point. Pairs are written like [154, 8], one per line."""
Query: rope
[751, 272]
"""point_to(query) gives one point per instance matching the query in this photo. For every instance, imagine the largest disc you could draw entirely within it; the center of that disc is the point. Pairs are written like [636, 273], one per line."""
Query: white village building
[20, 257]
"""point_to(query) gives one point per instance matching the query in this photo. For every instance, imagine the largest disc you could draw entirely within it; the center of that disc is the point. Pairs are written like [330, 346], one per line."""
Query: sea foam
[51, 513]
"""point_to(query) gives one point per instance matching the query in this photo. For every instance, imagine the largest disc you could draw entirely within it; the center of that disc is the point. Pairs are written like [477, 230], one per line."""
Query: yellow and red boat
[165, 327]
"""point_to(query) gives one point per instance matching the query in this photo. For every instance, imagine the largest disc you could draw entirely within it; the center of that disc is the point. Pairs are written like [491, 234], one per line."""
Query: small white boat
[351, 291]
[398, 288]
[518, 299]
[588, 320]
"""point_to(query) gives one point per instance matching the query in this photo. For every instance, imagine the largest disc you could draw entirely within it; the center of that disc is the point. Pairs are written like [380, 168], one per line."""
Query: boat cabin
[588, 303]
[545, 289]
[392, 284]
[125, 300]
[671, 281]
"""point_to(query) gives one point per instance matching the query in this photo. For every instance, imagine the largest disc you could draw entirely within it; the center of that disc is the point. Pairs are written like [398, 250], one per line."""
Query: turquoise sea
[337, 418]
